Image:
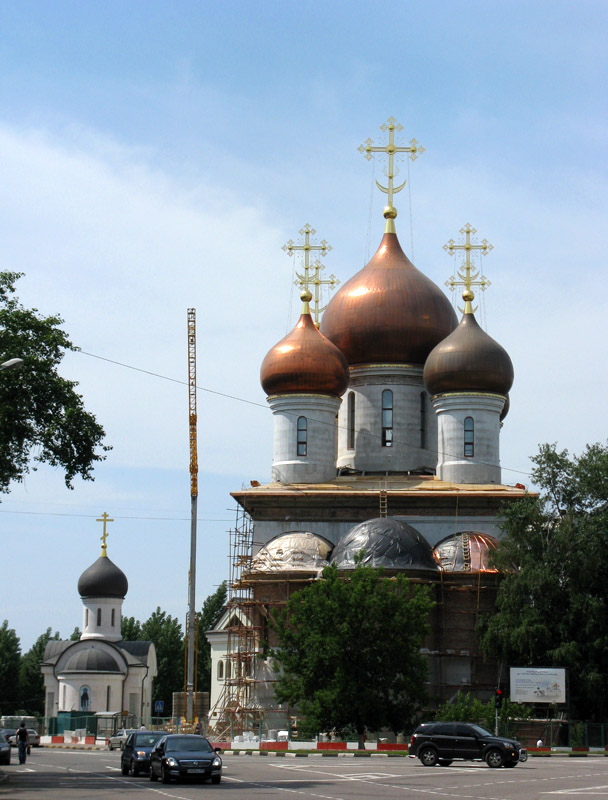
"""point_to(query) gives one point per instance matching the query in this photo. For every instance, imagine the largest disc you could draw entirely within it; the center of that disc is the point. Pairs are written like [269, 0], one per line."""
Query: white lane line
[588, 790]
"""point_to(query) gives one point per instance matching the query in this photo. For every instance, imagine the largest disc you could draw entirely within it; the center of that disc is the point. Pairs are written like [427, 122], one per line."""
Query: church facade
[387, 426]
[100, 674]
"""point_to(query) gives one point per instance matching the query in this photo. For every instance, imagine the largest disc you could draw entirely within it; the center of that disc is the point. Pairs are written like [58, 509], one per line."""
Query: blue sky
[156, 156]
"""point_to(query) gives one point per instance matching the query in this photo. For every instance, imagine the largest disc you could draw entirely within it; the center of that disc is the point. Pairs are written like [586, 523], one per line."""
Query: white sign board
[538, 685]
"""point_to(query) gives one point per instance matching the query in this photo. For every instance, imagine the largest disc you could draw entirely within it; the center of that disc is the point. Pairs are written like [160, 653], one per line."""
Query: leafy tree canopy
[31, 679]
[552, 604]
[42, 417]
[466, 708]
[212, 608]
[10, 661]
[349, 651]
[166, 633]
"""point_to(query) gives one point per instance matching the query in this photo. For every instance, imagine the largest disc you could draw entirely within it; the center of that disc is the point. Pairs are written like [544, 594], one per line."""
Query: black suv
[442, 742]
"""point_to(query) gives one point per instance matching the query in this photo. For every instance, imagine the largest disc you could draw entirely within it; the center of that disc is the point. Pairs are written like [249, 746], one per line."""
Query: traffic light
[498, 698]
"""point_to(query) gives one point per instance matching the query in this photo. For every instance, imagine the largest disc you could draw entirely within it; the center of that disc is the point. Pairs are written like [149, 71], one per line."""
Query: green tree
[552, 604]
[31, 680]
[166, 634]
[42, 417]
[212, 608]
[10, 661]
[348, 649]
[130, 629]
[466, 708]
[76, 634]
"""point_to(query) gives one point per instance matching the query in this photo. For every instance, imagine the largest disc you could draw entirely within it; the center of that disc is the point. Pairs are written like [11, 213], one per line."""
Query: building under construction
[385, 525]
[388, 414]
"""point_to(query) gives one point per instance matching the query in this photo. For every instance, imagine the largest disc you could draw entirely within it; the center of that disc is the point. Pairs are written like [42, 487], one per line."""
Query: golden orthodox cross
[468, 274]
[391, 149]
[105, 518]
[312, 272]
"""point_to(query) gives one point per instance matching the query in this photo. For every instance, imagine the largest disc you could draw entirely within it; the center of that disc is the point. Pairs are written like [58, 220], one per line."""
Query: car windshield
[480, 731]
[147, 739]
[188, 744]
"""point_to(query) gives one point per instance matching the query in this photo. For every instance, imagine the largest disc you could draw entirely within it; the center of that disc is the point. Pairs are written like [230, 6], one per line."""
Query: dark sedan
[185, 756]
[135, 756]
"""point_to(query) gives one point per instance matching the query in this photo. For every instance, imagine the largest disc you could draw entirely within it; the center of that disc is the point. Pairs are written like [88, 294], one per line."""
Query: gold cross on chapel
[413, 150]
[312, 272]
[468, 274]
[105, 518]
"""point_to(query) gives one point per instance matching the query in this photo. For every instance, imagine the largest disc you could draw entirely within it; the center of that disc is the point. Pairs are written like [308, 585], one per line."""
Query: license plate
[196, 771]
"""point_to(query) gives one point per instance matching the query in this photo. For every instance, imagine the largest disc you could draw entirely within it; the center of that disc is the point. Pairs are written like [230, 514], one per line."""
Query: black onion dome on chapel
[468, 360]
[304, 362]
[389, 312]
[103, 579]
[386, 542]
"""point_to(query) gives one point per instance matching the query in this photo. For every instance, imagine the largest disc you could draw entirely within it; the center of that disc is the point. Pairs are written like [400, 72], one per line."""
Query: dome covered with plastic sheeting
[293, 551]
[468, 551]
[386, 542]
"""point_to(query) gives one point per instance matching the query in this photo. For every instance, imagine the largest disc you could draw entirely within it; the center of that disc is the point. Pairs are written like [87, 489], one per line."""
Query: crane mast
[191, 626]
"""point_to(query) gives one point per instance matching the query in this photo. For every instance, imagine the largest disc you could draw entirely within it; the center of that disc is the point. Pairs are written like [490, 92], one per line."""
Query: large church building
[388, 417]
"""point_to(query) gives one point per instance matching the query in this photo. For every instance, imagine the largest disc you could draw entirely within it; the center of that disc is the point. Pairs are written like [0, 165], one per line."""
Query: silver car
[34, 738]
[119, 738]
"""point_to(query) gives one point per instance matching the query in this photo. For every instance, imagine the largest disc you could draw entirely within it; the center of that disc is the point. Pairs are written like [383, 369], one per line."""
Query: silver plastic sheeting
[293, 551]
[386, 542]
[468, 551]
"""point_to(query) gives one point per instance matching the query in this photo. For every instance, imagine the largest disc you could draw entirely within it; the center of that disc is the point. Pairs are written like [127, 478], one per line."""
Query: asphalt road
[80, 775]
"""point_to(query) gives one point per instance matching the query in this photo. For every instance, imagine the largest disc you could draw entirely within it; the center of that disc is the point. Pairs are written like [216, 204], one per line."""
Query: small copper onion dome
[389, 312]
[468, 360]
[304, 362]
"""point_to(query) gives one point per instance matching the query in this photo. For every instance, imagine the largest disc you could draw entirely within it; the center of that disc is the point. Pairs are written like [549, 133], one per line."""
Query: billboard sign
[538, 685]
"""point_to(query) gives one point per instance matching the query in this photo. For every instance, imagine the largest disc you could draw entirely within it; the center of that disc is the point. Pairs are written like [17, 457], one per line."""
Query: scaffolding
[247, 702]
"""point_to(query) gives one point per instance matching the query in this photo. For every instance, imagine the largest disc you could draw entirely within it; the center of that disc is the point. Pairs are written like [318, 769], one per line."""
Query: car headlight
[217, 762]
[141, 754]
[171, 762]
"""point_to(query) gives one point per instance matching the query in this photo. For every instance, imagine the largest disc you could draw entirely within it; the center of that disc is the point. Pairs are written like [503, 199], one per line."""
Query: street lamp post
[12, 363]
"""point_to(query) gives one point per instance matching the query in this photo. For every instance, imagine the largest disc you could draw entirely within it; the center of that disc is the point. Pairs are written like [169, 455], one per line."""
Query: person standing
[23, 742]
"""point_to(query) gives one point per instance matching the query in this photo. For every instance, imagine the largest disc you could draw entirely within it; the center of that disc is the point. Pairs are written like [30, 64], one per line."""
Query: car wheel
[134, 769]
[124, 769]
[110, 746]
[510, 763]
[445, 762]
[216, 779]
[164, 775]
[428, 756]
[494, 759]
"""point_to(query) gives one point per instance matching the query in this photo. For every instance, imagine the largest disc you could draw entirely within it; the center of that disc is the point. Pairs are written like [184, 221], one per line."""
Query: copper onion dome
[304, 361]
[389, 312]
[468, 360]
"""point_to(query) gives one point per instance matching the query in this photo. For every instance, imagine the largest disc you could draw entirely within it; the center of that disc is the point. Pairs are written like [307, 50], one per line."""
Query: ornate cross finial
[391, 149]
[312, 272]
[105, 518]
[468, 274]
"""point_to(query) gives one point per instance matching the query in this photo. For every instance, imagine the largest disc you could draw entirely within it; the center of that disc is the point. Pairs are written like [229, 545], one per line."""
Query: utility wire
[266, 408]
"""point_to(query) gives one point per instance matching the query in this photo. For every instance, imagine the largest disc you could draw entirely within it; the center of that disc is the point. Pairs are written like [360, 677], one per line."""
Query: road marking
[588, 790]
